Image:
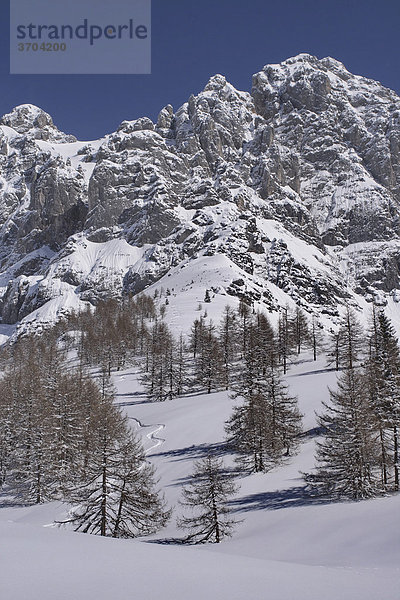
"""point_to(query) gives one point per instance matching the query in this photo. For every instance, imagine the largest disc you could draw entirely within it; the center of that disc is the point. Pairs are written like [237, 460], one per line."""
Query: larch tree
[316, 339]
[382, 373]
[229, 342]
[300, 329]
[33, 472]
[206, 500]
[347, 343]
[116, 497]
[45, 428]
[140, 508]
[347, 457]
[285, 338]
[265, 427]
[196, 336]
[61, 436]
[209, 359]
[160, 373]
[244, 313]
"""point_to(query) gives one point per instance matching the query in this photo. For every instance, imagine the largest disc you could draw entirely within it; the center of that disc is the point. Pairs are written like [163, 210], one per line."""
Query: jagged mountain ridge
[292, 190]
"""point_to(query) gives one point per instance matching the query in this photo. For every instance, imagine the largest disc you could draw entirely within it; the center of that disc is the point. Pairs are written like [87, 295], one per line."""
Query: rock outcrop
[297, 184]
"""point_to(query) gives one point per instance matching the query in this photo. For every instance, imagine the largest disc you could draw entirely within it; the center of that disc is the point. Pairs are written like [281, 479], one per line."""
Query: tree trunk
[120, 505]
[104, 499]
[383, 451]
[215, 515]
[396, 458]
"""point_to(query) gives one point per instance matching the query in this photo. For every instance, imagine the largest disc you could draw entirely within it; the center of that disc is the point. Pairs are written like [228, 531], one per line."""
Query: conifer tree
[299, 329]
[316, 337]
[33, 471]
[265, 427]
[196, 336]
[140, 509]
[347, 343]
[57, 425]
[206, 497]
[229, 342]
[117, 496]
[160, 376]
[334, 349]
[347, 456]
[244, 314]
[208, 363]
[285, 338]
[7, 428]
[181, 370]
[382, 373]
[207, 297]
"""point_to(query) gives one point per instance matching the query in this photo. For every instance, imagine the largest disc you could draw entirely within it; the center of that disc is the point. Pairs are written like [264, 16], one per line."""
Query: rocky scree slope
[296, 186]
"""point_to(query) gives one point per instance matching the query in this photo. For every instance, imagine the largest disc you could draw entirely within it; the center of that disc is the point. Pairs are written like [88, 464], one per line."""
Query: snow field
[285, 548]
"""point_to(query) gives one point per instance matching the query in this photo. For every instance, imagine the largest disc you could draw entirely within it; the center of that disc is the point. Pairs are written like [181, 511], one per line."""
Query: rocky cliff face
[296, 186]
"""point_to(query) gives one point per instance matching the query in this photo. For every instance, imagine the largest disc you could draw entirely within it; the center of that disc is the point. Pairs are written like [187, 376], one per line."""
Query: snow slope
[286, 547]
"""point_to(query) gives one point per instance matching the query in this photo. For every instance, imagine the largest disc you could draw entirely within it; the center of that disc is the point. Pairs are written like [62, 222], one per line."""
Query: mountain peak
[32, 120]
[306, 62]
[216, 82]
[273, 193]
[301, 57]
[332, 63]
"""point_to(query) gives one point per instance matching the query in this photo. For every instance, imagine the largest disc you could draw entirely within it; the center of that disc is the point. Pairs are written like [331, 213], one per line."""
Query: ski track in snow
[151, 436]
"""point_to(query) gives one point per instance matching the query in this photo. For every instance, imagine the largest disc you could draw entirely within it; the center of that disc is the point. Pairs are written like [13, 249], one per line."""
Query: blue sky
[194, 39]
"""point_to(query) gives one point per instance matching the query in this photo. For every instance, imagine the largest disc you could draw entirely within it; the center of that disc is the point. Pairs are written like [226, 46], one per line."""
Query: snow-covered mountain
[288, 194]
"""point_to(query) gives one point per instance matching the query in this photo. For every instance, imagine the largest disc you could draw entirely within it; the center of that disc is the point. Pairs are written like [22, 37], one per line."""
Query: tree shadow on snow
[194, 452]
[289, 498]
[315, 372]
[168, 541]
[142, 399]
[9, 498]
[312, 433]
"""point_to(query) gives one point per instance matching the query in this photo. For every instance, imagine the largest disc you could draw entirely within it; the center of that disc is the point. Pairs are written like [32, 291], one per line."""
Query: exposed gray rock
[344, 132]
[134, 283]
[31, 120]
[308, 163]
[14, 298]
